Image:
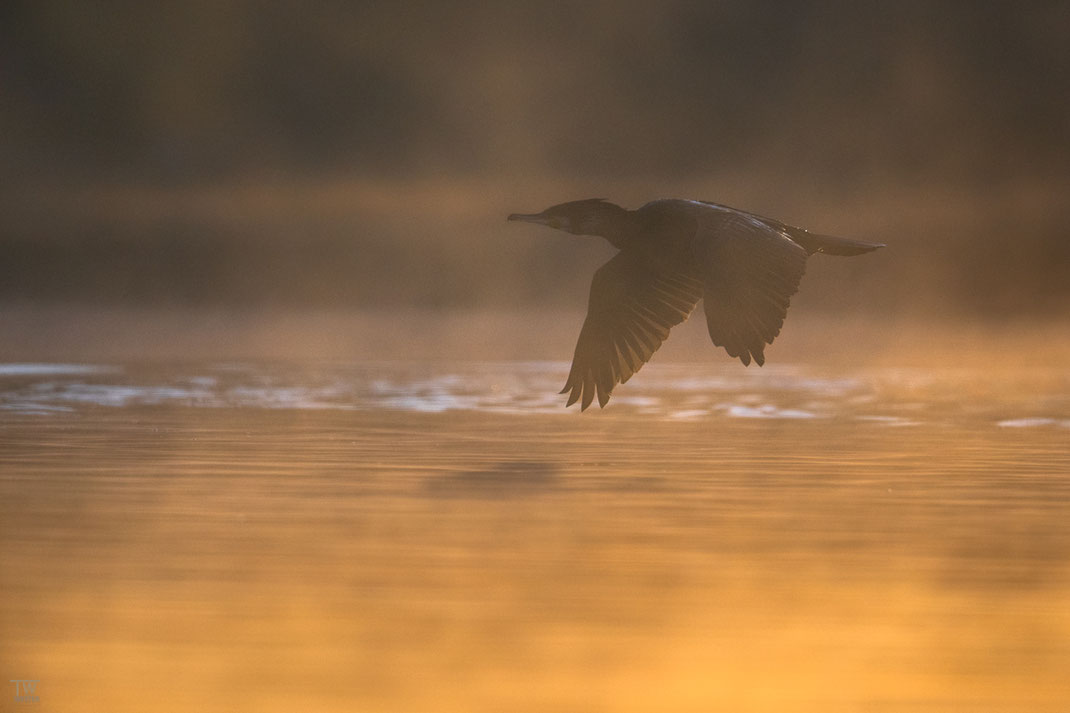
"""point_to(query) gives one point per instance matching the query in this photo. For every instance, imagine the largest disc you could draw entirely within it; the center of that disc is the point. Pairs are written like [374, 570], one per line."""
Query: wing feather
[751, 270]
[631, 309]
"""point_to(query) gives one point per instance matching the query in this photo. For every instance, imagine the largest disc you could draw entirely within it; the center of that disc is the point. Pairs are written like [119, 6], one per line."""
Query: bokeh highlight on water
[890, 397]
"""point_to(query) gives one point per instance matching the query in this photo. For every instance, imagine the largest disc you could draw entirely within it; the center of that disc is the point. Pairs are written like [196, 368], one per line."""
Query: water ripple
[679, 392]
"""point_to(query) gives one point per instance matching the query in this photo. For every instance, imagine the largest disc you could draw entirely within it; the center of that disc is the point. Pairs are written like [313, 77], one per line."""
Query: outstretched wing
[750, 270]
[630, 312]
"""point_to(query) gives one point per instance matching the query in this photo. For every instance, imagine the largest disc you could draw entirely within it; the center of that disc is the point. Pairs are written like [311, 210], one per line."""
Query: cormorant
[674, 253]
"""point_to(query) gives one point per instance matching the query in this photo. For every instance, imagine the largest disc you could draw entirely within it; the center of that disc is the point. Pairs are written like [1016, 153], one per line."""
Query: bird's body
[674, 253]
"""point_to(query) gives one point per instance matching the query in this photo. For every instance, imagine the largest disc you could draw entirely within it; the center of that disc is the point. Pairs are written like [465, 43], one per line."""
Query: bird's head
[593, 216]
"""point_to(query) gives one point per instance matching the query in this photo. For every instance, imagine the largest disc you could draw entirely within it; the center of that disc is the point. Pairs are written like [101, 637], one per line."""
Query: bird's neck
[617, 225]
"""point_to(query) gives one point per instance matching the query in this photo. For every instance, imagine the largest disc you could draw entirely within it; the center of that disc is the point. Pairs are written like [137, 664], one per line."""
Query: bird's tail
[830, 245]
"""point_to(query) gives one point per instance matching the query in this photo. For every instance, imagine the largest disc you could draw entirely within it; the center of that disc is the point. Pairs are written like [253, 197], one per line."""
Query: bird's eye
[555, 223]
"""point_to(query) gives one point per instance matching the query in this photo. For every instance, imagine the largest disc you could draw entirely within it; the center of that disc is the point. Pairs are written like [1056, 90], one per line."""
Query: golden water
[447, 538]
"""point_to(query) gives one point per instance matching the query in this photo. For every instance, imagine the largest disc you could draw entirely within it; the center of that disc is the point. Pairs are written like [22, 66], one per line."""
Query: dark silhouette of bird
[673, 253]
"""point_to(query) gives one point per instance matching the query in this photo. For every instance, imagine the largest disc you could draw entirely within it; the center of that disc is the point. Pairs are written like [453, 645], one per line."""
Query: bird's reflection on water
[425, 537]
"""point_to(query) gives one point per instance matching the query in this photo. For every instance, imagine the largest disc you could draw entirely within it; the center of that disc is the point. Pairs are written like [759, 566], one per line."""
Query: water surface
[445, 536]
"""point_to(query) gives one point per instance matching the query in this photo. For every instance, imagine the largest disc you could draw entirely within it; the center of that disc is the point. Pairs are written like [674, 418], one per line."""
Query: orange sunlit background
[279, 422]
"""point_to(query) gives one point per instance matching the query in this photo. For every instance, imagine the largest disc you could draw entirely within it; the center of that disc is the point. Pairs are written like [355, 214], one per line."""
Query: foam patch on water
[688, 414]
[53, 369]
[767, 411]
[1034, 423]
[35, 408]
[889, 420]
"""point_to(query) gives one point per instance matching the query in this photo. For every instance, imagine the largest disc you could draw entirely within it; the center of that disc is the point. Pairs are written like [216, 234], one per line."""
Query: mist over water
[666, 392]
[354, 157]
[279, 416]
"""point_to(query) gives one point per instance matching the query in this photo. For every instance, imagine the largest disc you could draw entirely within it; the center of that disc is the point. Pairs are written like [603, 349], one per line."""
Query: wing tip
[586, 394]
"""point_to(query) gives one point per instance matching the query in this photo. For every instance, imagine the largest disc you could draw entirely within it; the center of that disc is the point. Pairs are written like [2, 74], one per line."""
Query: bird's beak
[537, 218]
[556, 222]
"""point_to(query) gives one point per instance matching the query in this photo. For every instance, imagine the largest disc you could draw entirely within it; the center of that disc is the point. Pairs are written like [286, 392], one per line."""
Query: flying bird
[673, 253]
